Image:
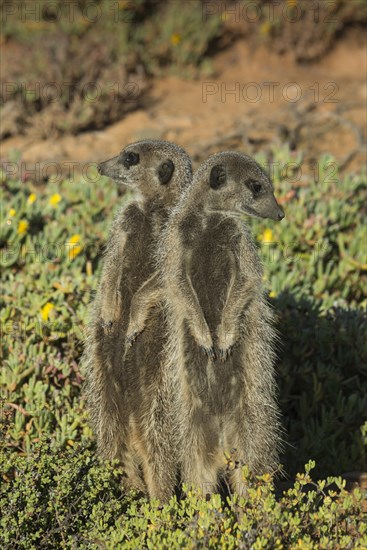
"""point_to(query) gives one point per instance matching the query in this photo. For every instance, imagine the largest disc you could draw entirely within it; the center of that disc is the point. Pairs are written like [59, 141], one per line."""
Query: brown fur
[128, 392]
[221, 340]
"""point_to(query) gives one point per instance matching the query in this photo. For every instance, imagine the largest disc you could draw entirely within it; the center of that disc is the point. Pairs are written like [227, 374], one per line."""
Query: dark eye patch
[218, 176]
[254, 186]
[165, 171]
[130, 159]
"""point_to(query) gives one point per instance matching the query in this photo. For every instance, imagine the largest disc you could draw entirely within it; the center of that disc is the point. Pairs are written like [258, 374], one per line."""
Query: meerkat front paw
[132, 333]
[209, 352]
[203, 339]
[109, 322]
[226, 340]
[107, 326]
[130, 338]
[223, 353]
[110, 314]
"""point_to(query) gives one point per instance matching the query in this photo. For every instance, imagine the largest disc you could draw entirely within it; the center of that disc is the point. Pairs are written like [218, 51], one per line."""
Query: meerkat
[221, 339]
[127, 391]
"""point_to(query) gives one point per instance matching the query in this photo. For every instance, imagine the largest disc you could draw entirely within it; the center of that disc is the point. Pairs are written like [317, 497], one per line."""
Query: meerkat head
[237, 183]
[153, 168]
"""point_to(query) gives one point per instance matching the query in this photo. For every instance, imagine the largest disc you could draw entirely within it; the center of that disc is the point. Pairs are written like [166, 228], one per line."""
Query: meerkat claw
[208, 351]
[222, 355]
[130, 339]
[225, 353]
[107, 326]
[211, 353]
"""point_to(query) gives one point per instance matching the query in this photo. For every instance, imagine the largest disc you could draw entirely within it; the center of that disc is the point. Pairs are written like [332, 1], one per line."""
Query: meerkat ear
[165, 171]
[218, 176]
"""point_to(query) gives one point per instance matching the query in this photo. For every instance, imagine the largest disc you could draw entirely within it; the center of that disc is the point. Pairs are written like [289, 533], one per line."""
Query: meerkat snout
[281, 214]
[115, 168]
[109, 168]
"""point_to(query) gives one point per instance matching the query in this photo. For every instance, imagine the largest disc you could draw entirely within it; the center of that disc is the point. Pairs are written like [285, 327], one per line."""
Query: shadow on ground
[322, 379]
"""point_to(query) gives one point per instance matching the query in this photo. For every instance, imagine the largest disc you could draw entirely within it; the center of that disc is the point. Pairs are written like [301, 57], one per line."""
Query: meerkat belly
[137, 266]
[209, 276]
[214, 385]
[144, 359]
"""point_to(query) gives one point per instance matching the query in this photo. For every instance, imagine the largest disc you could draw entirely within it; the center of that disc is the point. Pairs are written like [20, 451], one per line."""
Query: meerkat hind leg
[132, 482]
[133, 476]
[159, 478]
[200, 464]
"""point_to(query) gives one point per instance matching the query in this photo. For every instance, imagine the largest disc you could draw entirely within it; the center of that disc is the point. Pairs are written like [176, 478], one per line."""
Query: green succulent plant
[54, 490]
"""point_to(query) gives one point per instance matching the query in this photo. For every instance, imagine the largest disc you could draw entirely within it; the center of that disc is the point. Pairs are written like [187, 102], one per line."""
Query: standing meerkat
[221, 340]
[127, 390]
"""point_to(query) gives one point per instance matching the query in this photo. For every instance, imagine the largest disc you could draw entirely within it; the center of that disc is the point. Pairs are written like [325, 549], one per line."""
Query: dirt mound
[72, 70]
[257, 101]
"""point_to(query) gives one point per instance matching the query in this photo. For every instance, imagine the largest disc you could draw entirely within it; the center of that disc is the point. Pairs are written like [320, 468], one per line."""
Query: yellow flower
[75, 251]
[32, 197]
[74, 247]
[292, 2]
[175, 39]
[46, 310]
[11, 214]
[272, 294]
[55, 199]
[22, 227]
[267, 236]
[74, 239]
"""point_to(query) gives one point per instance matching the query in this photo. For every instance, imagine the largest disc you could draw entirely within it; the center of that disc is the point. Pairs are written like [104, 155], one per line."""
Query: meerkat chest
[141, 242]
[211, 266]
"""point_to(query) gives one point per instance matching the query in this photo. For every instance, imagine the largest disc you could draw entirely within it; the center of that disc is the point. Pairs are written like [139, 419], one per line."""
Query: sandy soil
[255, 101]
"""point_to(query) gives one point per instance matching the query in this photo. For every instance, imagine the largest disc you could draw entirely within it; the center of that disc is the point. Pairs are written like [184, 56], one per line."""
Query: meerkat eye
[254, 186]
[130, 159]
[165, 171]
[218, 176]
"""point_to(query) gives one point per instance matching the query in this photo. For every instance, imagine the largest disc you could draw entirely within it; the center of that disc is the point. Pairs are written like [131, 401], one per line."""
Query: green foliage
[176, 38]
[66, 499]
[316, 270]
[319, 248]
[53, 498]
[55, 493]
[50, 246]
